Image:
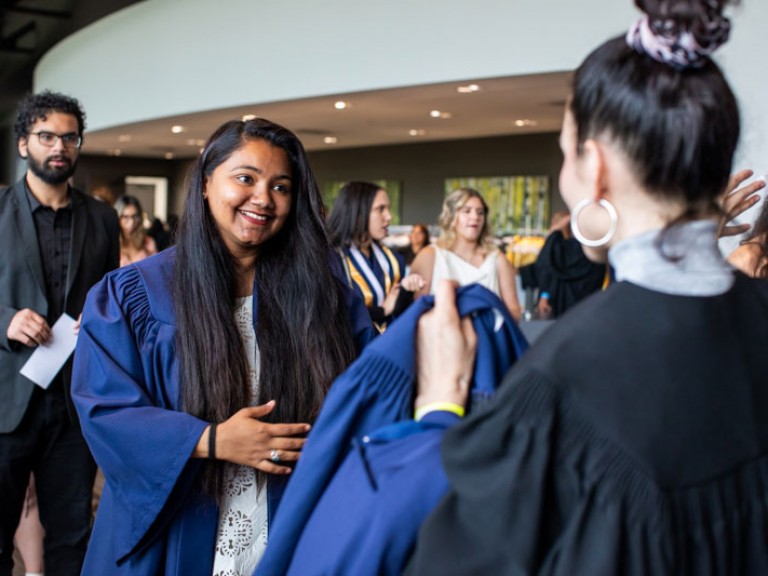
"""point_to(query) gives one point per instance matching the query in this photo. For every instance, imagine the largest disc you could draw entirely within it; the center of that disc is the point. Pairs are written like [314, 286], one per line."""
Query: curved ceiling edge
[163, 58]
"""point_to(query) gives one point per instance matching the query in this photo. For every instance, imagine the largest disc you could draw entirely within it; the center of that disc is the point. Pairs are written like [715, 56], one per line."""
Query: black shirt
[54, 239]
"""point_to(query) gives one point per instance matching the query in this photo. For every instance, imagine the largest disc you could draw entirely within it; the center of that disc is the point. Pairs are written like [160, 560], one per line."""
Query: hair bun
[680, 33]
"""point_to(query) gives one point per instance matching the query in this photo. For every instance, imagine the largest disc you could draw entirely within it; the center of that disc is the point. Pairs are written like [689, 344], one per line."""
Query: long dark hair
[677, 126]
[303, 332]
[348, 224]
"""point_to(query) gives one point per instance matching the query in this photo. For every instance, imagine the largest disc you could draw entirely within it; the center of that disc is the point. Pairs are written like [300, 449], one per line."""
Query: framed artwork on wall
[152, 193]
[518, 204]
[393, 188]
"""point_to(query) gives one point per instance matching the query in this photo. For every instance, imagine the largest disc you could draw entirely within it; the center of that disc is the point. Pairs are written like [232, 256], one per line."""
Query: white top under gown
[243, 526]
[449, 266]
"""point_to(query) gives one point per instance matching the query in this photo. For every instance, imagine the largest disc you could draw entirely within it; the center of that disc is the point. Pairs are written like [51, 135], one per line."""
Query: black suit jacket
[95, 250]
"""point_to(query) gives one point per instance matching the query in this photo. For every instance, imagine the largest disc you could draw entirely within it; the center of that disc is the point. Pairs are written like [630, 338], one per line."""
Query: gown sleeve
[125, 389]
[498, 517]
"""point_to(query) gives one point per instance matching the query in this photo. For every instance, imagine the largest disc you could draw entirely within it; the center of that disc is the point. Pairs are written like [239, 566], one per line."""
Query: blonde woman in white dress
[465, 253]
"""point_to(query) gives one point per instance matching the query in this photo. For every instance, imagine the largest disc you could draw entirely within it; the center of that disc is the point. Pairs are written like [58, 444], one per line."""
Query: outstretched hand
[245, 439]
[445, 351]
[737, 200]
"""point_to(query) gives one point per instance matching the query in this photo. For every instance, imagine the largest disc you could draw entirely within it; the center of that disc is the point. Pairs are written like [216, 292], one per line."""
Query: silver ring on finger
[274, 455]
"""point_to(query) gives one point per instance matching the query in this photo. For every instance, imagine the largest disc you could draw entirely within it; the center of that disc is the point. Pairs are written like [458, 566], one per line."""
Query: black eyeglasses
[48, 139]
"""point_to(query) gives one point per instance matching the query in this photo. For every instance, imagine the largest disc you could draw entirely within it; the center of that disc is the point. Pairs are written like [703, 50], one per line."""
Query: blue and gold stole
[364, 279]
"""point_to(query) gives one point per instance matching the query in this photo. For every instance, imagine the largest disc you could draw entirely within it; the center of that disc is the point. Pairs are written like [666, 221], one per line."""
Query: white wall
[743, 60]
[166, 57]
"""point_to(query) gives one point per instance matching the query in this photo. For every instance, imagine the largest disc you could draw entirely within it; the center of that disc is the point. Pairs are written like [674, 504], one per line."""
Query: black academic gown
[632, 440]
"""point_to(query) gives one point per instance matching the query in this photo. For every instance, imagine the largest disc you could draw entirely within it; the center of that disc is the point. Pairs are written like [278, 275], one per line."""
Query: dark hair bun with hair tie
[680, 33]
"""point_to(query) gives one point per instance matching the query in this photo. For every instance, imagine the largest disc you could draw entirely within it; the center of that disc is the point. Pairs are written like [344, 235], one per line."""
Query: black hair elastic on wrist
[212, 442]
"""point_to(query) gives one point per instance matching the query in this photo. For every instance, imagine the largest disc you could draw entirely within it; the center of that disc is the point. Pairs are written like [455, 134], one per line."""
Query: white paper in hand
[48, 359]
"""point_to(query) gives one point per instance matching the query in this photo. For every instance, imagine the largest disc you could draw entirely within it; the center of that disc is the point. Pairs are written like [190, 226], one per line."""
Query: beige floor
[18, 569]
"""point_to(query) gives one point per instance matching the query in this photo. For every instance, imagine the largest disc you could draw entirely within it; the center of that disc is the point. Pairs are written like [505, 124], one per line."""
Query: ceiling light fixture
[441, 115]
[468, 89]
[330, 139]
[177, 129]
[341, 105]
[124, 138]
[435, 113]
[525, 122]
[417, 132]
[247, 117]
[168, 155]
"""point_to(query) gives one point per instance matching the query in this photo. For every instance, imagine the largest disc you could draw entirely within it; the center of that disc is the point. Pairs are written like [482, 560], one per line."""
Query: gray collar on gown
[693, 265]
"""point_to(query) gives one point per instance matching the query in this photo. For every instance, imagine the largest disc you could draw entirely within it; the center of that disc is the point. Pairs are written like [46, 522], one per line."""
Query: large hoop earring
[612, 214]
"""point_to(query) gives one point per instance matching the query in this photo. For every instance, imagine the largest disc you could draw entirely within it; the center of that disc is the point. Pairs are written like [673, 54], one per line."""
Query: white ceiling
[372, 118]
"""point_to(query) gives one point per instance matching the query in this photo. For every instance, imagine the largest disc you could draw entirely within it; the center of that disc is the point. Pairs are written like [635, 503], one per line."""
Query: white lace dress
[242, 534]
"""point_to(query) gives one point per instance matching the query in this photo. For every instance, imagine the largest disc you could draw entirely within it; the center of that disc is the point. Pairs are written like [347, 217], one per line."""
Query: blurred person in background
[465, 251]
[358, 223]
[418, 239]
[135, 243]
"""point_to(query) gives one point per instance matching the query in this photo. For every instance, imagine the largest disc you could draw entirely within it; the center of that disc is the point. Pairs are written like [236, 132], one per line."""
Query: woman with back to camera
[358, 224]
[465, 253]
[199, 371]
[135, 243]
[633, 440]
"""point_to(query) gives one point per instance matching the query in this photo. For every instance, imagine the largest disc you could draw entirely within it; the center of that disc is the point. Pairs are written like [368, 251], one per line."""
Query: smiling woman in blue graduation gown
[182, 357]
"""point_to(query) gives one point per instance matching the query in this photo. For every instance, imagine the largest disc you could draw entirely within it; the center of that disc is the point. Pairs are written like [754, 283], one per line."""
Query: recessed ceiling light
[168, 155]
[524, 122]
[177, 129]
[435, 113]
[330, 139]
[124, 138]
[439, 114]
[468, 89]
[247, 117]
[341, 105]
[417, 132]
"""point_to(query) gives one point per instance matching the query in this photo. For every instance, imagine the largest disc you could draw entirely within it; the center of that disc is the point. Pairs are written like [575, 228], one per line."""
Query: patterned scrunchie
[668, 42]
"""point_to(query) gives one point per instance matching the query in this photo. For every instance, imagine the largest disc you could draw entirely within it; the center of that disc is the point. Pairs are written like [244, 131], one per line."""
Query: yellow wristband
[457, 409]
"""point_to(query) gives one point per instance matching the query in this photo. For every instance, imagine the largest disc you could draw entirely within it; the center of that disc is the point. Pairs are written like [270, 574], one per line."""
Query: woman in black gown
[632, 439]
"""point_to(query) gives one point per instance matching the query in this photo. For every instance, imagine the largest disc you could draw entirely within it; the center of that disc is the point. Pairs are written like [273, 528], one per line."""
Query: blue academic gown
[152, 518]
[369, 474]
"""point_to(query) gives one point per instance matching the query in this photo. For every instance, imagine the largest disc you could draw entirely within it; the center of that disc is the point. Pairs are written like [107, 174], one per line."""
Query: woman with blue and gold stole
[359, 222]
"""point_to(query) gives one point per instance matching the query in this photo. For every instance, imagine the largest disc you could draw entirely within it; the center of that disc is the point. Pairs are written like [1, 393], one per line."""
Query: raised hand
[737, 200]
[445, 346]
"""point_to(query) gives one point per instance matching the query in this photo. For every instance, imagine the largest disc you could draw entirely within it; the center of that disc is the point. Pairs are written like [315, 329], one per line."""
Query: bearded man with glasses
[57, 243]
